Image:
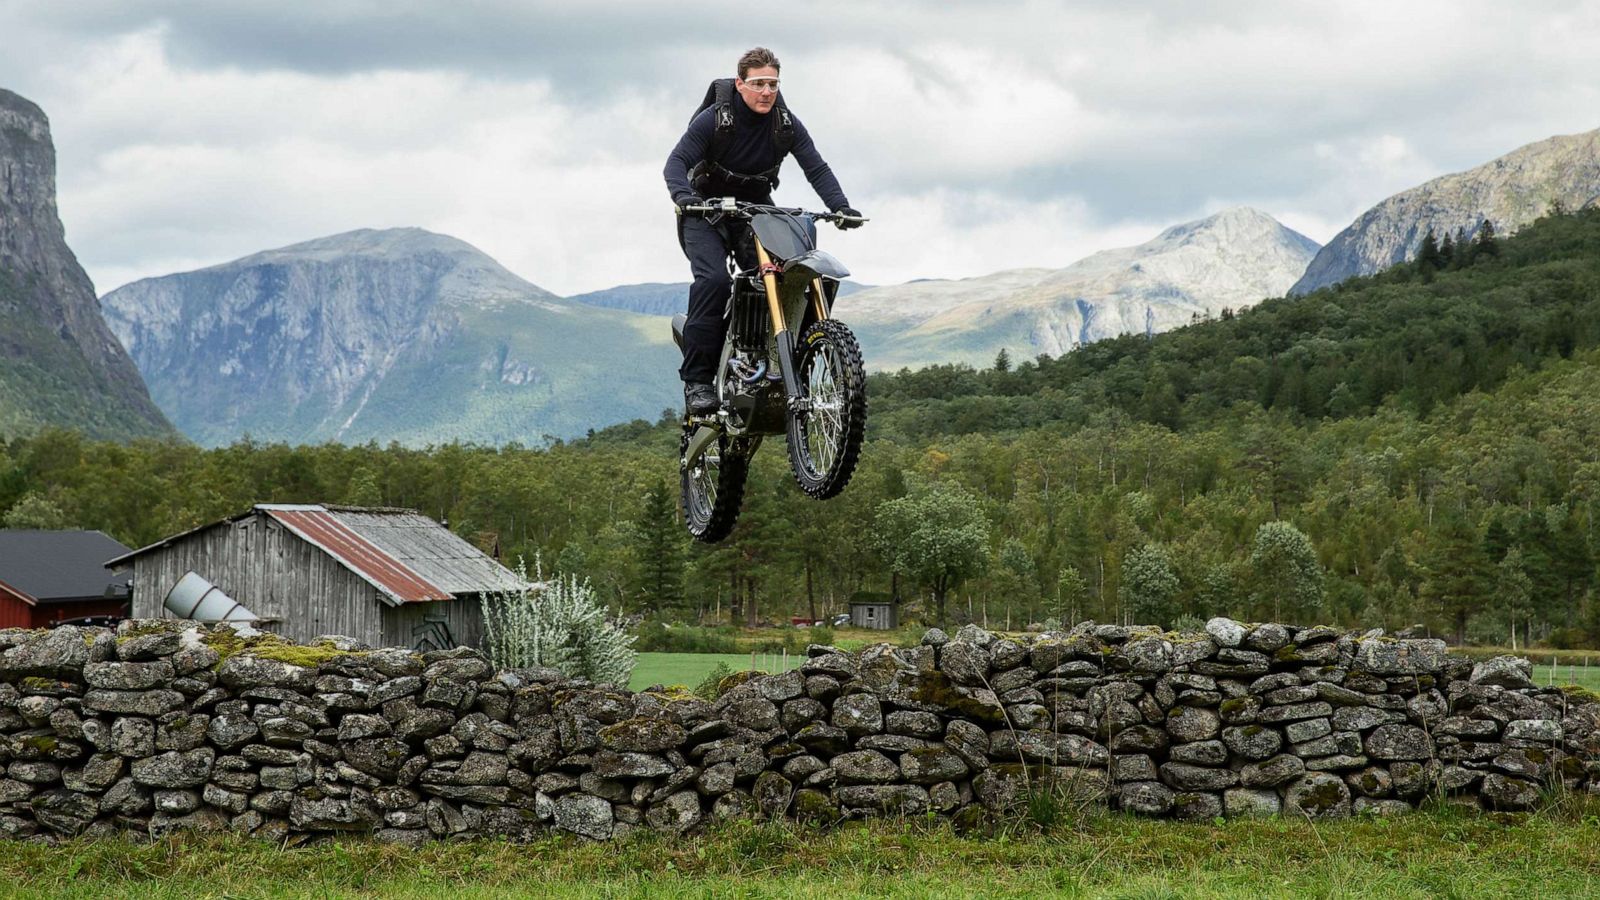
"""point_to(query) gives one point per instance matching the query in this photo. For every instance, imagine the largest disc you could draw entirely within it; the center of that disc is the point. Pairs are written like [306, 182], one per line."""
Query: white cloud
[979, 136]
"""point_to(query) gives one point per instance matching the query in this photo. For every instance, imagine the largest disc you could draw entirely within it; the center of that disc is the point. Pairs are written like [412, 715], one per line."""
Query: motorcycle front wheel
[712, 488]
[826, 426]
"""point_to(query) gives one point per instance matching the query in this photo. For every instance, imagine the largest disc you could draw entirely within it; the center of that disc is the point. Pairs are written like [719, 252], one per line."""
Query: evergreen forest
[1419, 447]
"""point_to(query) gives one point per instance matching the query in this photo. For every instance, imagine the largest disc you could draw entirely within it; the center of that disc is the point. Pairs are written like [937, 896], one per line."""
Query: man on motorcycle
[734, 147]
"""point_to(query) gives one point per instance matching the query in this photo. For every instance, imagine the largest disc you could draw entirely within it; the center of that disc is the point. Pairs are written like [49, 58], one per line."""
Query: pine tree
[660, 552]
[1447, 251]
[1002, 361]
[1486, 244]
[1149, 585]
[1286, 572]
[1428, 258]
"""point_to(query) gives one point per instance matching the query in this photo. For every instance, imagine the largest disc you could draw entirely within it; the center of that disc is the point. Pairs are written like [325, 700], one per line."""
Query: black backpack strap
[782, 129]
[721, 95]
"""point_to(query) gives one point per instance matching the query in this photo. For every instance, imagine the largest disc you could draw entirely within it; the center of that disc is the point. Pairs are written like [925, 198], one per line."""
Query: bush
[657, 637]
[707, 688]
[556, 624]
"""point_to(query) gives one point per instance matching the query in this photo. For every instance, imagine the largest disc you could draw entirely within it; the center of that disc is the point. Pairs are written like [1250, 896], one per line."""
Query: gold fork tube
[818, 301]
[771, 282]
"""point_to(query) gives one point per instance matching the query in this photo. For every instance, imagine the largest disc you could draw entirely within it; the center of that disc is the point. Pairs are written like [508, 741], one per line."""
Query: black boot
[700, 398]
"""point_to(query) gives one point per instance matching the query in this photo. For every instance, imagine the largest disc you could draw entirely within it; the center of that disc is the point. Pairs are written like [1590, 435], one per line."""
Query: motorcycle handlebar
[729, 206]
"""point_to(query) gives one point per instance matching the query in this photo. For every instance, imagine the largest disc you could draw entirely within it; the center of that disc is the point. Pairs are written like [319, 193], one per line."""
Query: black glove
[848, 211]
[683, 200]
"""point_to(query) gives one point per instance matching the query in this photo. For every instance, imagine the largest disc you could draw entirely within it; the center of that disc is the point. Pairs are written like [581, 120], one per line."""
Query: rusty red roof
[382, 570]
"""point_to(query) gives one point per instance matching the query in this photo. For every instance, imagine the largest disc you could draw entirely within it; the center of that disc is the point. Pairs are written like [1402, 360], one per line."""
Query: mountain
[59, 363]
[1232, 259]
[1510, 192]
[657, 299]
[399, 334]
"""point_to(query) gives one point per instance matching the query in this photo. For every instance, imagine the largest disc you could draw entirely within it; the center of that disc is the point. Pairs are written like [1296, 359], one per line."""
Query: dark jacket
[750, 152]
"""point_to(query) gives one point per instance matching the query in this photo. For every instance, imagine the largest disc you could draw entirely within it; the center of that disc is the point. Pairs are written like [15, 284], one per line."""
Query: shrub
[707, 688]
[556, 624]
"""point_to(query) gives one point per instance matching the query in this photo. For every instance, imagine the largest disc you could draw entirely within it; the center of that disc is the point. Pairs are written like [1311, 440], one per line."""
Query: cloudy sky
[978, 135]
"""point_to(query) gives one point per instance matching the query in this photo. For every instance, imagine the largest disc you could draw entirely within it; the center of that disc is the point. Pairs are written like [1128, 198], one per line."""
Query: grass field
[1434, 854]
[689, 669]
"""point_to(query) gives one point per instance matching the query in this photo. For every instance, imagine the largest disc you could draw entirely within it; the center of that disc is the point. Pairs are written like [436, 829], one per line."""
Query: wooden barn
[387, 577]
[48, 577]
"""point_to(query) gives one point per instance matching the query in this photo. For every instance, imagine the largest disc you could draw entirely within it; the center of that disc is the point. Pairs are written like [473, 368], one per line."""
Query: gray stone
[932, 765]
[1509, 793]
[128, 676]
[609, 764]
[1200, 753]
[1317, 795]
[975, 635]
[865, 767]
[858, 715]
[358, 726]
[1187, 724]
[1336, 762]
[1364, 718]
[1148, 655]
[1371, 782]
[1392, 742]
[965, 662]
[1225, 632]
[65, 812]
[1273, 772]
[679, 812]
[779, 688]
[242, 671]
[379, 757]
[586, 816]
[175, 769]
[176, 803]
[1007, 654]
[885, 799]
[136, 703]
[772, 793]
[1268, 638]
[99, 772]
[1368, 806]
[935, 637]
[1184, 777]
[1145, 798]
[1503, 671]
[1408, 657]
[1250, 802]
[914, 724]
[1307, 730]
[1295, 711]
[183, 732]
[754, 713]
[57, 653]
[1543, 731]
[1133, 767]
[1139, 739]
[1047, 747]
[332, 814]
[1252, 742]
[1196, 806]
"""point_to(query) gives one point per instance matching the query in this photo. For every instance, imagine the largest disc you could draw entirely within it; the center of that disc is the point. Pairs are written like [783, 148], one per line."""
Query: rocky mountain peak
[1510, 191]
[58, 360]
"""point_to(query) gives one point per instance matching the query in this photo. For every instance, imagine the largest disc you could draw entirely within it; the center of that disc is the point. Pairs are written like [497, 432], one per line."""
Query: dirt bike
[786, 368]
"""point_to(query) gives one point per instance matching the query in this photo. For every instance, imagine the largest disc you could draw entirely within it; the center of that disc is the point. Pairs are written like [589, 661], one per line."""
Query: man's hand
[855, 217]
[683, 200]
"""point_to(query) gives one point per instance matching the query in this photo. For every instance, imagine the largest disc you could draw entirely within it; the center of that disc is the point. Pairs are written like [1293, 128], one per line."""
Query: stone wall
[161, 726]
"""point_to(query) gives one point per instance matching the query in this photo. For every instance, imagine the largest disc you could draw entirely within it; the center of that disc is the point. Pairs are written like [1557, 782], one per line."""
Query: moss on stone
[39, 683]
[1234, 706]
[43, 743]
[227, 642]
[1578, 694]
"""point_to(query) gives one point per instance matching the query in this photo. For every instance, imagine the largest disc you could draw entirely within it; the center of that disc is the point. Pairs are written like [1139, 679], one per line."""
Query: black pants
[706, 245]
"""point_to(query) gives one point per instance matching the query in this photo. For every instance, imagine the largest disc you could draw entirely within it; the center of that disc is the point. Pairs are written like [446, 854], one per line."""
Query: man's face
[759, 88]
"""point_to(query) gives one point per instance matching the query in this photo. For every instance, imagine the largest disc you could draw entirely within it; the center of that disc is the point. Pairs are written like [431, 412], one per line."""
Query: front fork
[780, 328]
[703, 436]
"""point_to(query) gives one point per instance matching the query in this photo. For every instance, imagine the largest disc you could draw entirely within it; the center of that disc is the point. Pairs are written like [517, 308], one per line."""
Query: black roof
[58, 565]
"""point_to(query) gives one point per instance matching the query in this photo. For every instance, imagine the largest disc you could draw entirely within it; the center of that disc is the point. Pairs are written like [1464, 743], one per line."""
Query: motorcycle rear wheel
[825, 432]
[712, 489]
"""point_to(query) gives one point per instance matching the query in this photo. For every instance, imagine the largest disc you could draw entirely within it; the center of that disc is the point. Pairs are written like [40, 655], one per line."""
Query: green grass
[1582, 676]
[689, 669]
[1436, 854]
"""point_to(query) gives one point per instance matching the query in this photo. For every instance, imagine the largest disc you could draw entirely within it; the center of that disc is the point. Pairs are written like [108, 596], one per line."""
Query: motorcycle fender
[818, 263]
[678, 322]
[702, 438]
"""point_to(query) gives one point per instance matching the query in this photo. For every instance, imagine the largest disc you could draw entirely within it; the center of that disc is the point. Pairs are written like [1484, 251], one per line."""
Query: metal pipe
[195, 598]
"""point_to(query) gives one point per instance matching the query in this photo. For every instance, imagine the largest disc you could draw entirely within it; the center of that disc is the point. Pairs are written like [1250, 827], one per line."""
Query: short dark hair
[757, 58]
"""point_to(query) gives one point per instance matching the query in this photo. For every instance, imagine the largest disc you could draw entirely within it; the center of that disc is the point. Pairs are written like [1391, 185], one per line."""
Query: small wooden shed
[387, 577]
[881, 614]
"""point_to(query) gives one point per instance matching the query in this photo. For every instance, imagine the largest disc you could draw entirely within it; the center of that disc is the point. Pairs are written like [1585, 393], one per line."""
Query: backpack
[709, 177]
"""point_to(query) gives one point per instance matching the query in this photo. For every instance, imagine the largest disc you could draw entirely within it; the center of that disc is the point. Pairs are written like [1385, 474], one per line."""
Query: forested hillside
[1418, 446]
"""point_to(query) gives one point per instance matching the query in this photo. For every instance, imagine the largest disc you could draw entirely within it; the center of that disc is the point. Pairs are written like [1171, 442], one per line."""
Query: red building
[48, 577]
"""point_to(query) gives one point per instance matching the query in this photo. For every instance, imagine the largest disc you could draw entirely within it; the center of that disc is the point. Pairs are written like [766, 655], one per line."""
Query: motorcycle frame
[782, 337]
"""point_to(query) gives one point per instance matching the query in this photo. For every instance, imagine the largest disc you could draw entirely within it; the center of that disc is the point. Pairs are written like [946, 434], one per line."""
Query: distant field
[1582, 676]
